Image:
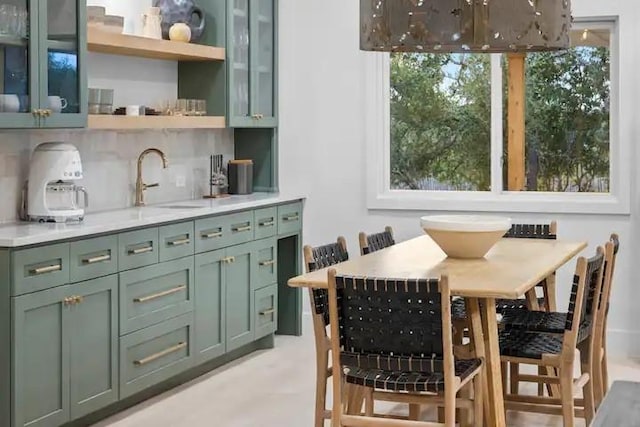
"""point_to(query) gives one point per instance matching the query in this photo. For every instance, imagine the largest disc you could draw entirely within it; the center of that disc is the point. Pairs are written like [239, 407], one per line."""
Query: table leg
[496, 413]
[477, 339]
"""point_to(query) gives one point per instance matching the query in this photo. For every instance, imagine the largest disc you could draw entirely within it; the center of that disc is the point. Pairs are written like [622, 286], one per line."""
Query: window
[447, 134]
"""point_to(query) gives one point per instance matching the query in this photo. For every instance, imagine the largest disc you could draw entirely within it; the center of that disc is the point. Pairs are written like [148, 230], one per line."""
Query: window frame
[378, 136]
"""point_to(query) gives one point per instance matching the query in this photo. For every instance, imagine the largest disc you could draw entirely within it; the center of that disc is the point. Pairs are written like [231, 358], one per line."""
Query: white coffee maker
[52, 195]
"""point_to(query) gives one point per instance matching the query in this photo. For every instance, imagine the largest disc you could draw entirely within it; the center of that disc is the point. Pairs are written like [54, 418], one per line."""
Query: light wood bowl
[465, 236]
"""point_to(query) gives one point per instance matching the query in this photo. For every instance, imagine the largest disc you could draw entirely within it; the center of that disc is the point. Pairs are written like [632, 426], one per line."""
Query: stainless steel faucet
[141, 186]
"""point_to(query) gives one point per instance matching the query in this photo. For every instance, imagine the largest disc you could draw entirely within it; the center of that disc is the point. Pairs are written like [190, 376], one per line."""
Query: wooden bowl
[465, 236]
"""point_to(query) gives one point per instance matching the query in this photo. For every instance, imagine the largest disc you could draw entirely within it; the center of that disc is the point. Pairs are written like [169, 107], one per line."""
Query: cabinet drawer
[40, 268]
[176, 241]
[290, 218]
[266, 222]
[93, 258]
[137, 248]
[238, 228]
[209, 234]
[265, 263]
[152, 294]
[266, 311]
[155, 354]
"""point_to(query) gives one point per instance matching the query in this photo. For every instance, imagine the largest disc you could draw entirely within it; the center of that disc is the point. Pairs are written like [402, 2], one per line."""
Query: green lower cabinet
[209, 306]
[94, 346]
[239, 295]
[41, 358]
[266, 311]
[65, 355]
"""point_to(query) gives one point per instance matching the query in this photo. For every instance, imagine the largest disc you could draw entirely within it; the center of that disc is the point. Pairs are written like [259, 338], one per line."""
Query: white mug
[133, 110]
[9, 103]
[57, 104]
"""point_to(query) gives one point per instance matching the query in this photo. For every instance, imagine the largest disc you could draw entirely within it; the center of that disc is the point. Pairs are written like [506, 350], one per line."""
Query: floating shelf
[97, 121]
[124, 44]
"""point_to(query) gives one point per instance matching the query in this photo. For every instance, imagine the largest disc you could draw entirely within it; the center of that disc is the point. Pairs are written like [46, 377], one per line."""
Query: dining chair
[601, 384]
[374, 242]
[550, 340]
[393, 337]
[316, 258]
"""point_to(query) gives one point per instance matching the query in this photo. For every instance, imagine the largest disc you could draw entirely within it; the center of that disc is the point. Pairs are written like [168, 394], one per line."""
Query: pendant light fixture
[464, 25]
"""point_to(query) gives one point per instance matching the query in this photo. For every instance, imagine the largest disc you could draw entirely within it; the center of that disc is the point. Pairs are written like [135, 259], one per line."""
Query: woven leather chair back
[391, 324]
[593, 285]
[375, 242]
[533, 231]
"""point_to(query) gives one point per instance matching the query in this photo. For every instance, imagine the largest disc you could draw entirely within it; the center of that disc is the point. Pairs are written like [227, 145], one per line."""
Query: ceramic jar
[151, 23]
[180, 32]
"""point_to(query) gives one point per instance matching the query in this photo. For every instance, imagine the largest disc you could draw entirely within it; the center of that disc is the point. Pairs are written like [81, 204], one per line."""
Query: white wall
[323, 143]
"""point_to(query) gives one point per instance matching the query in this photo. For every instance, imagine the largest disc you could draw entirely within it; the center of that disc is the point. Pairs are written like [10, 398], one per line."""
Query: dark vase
[185, 11]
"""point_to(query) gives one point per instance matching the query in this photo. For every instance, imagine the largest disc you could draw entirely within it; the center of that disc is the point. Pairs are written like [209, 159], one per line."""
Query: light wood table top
[509, 270]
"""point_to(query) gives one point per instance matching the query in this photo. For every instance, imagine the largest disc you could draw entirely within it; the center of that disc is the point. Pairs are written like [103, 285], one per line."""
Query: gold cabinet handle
[229, 259]
[180, 242]
[68, 301]
[161, 294]
[269, 223]
[265, 263]
[47, 112]
[35, 112]
[212, 235]
[160, 354]
[239, 229]
[47, 269]
[254, 116]
[138, 251]
[78, 299]
[97, 259]
[267, 312]
[294, 217]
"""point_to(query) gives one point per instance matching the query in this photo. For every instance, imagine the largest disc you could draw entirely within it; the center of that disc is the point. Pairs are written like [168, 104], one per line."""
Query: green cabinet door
[239, 295]
[40, 362]
[251, 39]
[62, 40]
[209, 306]
[93, 337]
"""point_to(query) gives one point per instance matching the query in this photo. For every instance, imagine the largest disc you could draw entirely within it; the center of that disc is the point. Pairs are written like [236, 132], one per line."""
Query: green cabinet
[210, 305]
[43, 67]
[65, 352]
[251, 59]
[239, 295]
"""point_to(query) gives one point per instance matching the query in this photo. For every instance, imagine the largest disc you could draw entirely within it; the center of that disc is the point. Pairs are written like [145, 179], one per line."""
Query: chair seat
[459, 312]
[541, 321]
[529, 345]
[432, 382]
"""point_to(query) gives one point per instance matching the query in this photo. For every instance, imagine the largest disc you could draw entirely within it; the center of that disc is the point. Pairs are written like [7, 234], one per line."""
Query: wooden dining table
[509, 270]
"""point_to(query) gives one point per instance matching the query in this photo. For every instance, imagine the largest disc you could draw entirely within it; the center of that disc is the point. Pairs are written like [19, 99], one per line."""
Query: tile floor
[275, 388]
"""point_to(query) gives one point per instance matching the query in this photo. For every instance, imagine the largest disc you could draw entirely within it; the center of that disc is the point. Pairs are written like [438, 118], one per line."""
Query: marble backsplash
[109, 160]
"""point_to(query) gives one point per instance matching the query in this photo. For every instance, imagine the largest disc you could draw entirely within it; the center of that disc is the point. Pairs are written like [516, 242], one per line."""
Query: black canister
[240, 176]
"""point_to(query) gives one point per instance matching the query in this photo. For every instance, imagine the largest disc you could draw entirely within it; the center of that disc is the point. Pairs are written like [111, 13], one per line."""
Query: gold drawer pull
[47, 269]
[270, 223]
[212, 235]
[245, 228]
[160, 354]
[97, 259]
[161, 294]
[138, 251]
[265, 263]
[291, 218]
[180, 242]
[267, 312]
[68, 300]
[229, 259]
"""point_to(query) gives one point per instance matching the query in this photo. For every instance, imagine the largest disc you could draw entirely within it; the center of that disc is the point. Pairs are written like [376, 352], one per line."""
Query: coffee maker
[51, 192]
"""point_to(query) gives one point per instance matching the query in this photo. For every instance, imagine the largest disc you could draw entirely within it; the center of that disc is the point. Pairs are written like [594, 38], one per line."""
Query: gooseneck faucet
[141, 186]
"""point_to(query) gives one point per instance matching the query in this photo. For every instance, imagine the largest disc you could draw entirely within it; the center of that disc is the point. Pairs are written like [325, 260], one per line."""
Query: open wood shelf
[97, 121]
[124, 44]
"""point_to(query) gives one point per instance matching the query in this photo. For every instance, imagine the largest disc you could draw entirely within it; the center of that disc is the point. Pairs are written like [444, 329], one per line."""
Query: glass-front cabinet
[251, 60]
[42, 50]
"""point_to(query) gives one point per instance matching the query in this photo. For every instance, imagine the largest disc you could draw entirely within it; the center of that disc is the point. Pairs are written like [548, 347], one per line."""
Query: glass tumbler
[201, 107]
[181, 107]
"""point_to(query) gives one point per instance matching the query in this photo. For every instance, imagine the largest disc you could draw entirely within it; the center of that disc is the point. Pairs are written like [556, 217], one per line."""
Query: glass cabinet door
[18, 59]
[239, 64]
[263, 58]
[62, 84]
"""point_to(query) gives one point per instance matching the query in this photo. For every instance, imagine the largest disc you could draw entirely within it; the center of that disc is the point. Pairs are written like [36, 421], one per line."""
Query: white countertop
[29, 233]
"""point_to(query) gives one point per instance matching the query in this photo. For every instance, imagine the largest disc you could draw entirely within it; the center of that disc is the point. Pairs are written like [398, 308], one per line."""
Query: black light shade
[464, 25]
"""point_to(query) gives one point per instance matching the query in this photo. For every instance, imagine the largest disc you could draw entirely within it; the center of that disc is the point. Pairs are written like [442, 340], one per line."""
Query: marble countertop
[26, 233]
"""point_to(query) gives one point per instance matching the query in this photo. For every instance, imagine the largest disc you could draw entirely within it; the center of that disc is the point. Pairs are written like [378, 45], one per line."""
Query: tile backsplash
[109, 160]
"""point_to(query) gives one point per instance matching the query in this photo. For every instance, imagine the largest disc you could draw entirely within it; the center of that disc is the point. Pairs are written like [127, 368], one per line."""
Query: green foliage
[441, 121]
